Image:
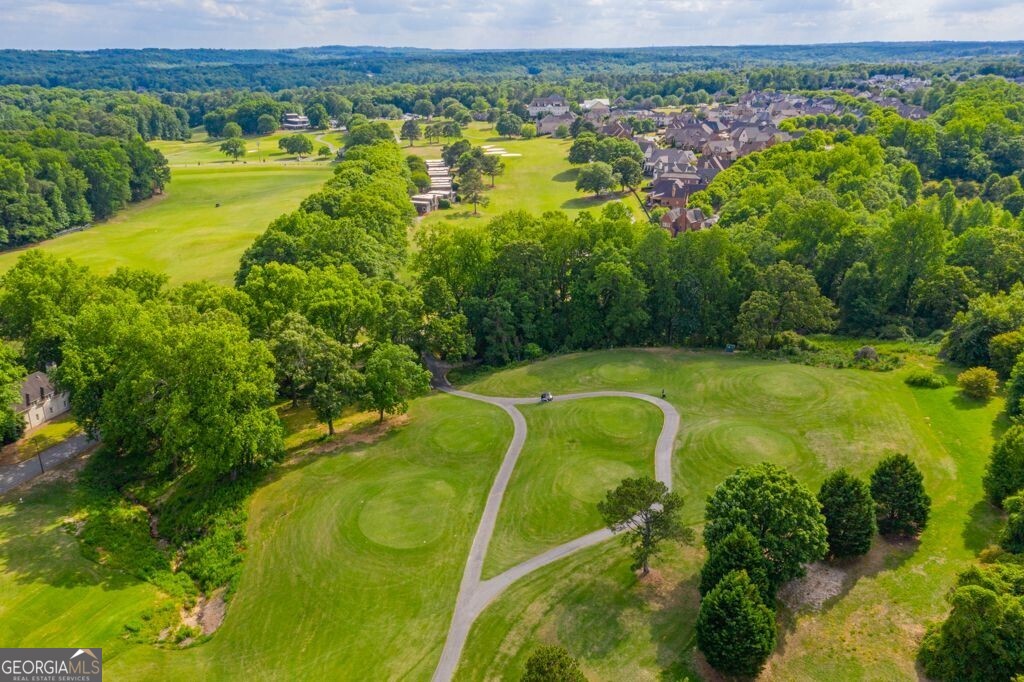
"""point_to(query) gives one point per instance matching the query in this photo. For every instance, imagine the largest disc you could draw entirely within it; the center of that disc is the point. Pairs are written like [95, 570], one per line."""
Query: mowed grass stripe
[183, 233]
[575, 452]
[736, 412]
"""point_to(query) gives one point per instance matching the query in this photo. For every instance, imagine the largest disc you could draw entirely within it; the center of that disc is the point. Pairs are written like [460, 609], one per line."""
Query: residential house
[692, 136]
[41, 401]
[545, 106]
[675, 190]
[617, 129]
[549, 124]
[668, 157]
[589, 104]
[686, 220]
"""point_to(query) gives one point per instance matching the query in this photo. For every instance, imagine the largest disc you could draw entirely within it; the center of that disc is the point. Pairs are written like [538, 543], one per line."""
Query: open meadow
[357, 554]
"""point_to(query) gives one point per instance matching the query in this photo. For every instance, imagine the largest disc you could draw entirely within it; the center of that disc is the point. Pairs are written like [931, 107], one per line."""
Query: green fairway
[355, 558]
[575, 452]
[737, 412]
[183, 233]
[262, 149]
[541, 179]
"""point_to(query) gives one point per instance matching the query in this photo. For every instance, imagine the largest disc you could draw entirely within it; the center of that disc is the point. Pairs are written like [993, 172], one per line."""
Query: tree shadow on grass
[568, 175]
[36, 547]
[962, 402]
[885, 555]
[589, 201]
[680, 613]
[982, 521]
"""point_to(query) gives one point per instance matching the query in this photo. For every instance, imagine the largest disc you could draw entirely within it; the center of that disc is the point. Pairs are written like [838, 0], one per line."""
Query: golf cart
[546, 397]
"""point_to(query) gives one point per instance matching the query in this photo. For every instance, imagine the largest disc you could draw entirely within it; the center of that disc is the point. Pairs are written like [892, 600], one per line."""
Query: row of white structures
[440, 187]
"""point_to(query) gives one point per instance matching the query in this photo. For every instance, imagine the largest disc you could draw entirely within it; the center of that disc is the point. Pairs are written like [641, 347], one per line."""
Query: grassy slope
[736, 412]
[183, 233]
[355, 559]
[339, 583]
[50, 595]
[574, 453]
[540, 180]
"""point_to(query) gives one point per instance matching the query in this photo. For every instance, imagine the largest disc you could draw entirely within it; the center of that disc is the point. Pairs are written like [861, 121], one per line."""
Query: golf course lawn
[737, 412]
[574, 453]
[355, 557]
[540, 180]
[183, 233]
[201, 149]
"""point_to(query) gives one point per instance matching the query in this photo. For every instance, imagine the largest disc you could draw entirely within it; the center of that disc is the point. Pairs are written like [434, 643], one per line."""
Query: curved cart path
[475, 594]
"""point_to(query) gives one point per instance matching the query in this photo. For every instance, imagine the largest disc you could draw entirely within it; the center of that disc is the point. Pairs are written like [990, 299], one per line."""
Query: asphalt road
[14, 475]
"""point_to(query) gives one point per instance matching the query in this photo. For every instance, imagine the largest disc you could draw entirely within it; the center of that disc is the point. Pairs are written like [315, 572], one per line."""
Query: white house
[544, 106]
[40, 400]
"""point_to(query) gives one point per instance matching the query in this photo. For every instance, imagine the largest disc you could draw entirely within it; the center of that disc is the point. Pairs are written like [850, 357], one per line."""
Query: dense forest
[68, 157]
[204, 69]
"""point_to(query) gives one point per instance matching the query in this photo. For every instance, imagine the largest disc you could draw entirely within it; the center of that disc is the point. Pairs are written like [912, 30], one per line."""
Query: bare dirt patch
[207, 614]
[366, 436]
[822, 582]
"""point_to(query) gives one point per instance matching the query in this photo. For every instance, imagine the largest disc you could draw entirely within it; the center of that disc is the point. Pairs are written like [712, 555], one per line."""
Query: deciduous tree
[648, 512]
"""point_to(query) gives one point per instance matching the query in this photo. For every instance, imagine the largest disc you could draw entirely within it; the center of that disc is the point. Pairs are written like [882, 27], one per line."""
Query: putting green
[738, 411]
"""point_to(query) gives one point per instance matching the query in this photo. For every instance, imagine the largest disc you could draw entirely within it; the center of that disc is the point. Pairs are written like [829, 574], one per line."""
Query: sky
[93, 24]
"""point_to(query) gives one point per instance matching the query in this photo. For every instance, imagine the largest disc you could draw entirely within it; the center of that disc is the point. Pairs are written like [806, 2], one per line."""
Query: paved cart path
[475, 594]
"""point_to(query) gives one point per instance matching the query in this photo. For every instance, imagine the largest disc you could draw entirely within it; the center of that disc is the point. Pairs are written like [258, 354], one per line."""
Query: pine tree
[849, 514]
[737, 551]
[901, 504]
[735, 630]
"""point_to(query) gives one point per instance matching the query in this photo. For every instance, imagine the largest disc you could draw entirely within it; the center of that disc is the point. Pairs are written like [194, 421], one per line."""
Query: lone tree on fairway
[392, 377]
[735, 630]
[509, 125]
[411, 131]
[782, 515]
[983, 637]
[738, 551]
[297, 144]
[595, 177]
[649, 512]
[233, 147]
[471, 187]
[552, 664]
[324, 151]
[901, 504]
[492, 165]
[849, 514]
[1005, 473]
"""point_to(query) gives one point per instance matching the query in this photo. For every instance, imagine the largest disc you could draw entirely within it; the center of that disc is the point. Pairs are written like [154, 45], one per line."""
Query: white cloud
[87, 24]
